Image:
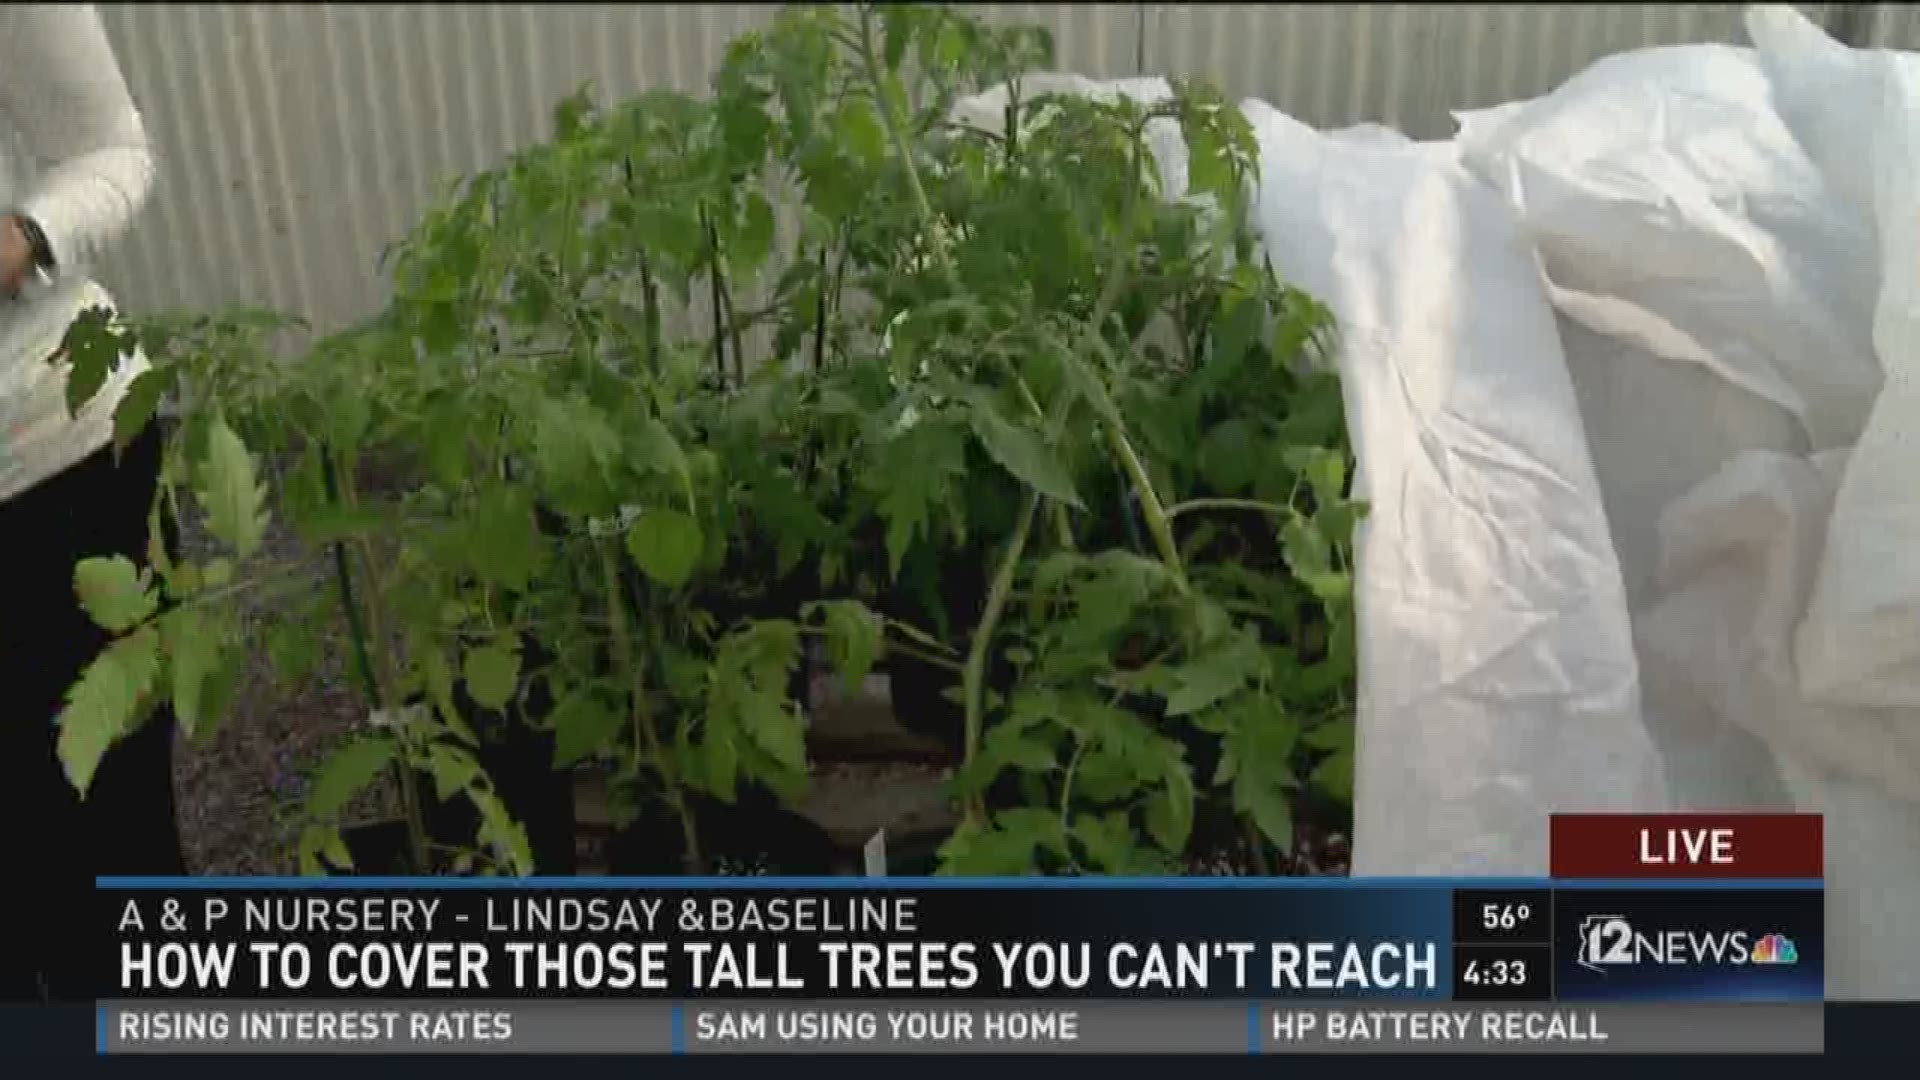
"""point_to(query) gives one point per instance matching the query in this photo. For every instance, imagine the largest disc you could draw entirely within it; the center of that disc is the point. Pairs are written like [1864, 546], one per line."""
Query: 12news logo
[1611, 941]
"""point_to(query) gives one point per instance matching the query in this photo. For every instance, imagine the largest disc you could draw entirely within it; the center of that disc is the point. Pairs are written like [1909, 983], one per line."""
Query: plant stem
[840, 267]
[974, 676]
[895, 125]
[363, 666]
[623, 655]
[1197, 505]
[343, 576]
[733, 326]
[908, 651]
[649, 294]
[912, 653]
[820, 313]
[713, 287]
[1012, 122]
[1066, 785]
[896, 133]
[1158, 524]
[646, 743]
[650, 307]
[274, 576]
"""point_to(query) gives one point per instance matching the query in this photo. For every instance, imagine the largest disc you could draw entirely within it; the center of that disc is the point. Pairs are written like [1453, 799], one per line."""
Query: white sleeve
[62, 90]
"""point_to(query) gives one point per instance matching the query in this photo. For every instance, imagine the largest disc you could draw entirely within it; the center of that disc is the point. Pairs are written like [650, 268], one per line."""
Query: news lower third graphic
[1725, 961]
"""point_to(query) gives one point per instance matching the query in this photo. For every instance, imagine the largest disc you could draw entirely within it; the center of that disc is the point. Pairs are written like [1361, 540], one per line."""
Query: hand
[16, 256]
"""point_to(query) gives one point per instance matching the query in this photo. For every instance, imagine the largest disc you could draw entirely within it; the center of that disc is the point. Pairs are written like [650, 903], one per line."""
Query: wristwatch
[37, 246]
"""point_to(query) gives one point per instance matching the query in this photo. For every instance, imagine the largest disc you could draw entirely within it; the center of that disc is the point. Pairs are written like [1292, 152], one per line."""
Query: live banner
[1654, 935]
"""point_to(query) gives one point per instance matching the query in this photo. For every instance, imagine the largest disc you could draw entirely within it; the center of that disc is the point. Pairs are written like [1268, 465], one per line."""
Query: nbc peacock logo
[1774, 949]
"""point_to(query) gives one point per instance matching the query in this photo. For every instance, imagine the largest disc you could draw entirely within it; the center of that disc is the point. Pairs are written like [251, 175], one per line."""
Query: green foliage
[666, 544]
[113, 592]
[491, 673]
[998, 355]
[107, 703]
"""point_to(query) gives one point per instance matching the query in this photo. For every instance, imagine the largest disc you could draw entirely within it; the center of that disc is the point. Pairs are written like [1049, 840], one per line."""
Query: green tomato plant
[697, 380]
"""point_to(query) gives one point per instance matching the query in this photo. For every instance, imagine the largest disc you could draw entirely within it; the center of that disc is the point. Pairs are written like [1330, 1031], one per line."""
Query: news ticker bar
[842, 939]
[955, 1027]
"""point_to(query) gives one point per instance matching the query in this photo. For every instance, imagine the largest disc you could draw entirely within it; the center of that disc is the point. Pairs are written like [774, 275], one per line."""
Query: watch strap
[36, 242]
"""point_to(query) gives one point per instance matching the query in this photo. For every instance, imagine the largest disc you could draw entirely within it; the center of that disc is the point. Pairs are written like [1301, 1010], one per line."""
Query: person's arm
[62, 92]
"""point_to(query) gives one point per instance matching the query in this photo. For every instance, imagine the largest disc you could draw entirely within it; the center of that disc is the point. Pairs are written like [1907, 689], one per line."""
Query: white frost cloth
[1727, 235]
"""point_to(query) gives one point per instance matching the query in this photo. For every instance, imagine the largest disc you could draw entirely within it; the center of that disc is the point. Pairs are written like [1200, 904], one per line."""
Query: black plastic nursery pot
[520, 762]
[516, 752]
[519, 759]
[378, 849]
[925, 700]
[753, 836]
[926, 696]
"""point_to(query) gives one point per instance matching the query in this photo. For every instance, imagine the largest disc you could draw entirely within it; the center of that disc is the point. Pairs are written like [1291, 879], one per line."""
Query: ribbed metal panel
[297, 140]
[1893, 26]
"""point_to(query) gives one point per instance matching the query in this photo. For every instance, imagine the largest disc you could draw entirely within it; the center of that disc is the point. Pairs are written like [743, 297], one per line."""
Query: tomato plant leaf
[229, 491]
[1267, 803]
[1214, 675]
[666, 545]
[453, 768]
[1331, 735]
[114, 593]
[775, 729]
[1169, 814]
[1310, 558]
[106, 703]
[1334, 775]
[854, 639]
[347, 771]
[1023, 452]
[444, 441]
[135, 411]
[721, 758]
[1228, 459]
[501, 539]
[1233, 335]
[92, 349]
[1107, 840]
[1325, 471]
[753, 240]
[499, 833]
[860, 131]
[1021, 746]
[1006, 847]
[911, 476]
[583, 726]
[194, 648]
[492, 675]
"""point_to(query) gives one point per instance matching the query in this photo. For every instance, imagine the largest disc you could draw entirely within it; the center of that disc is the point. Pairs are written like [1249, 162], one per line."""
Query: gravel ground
[237, 792]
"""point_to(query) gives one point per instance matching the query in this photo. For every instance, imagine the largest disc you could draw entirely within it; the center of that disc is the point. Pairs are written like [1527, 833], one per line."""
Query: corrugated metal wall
[296, 140]
[1890, 26]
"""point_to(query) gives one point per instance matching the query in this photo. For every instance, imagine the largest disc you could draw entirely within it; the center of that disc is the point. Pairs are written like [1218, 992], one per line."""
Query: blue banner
[1022, 939]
